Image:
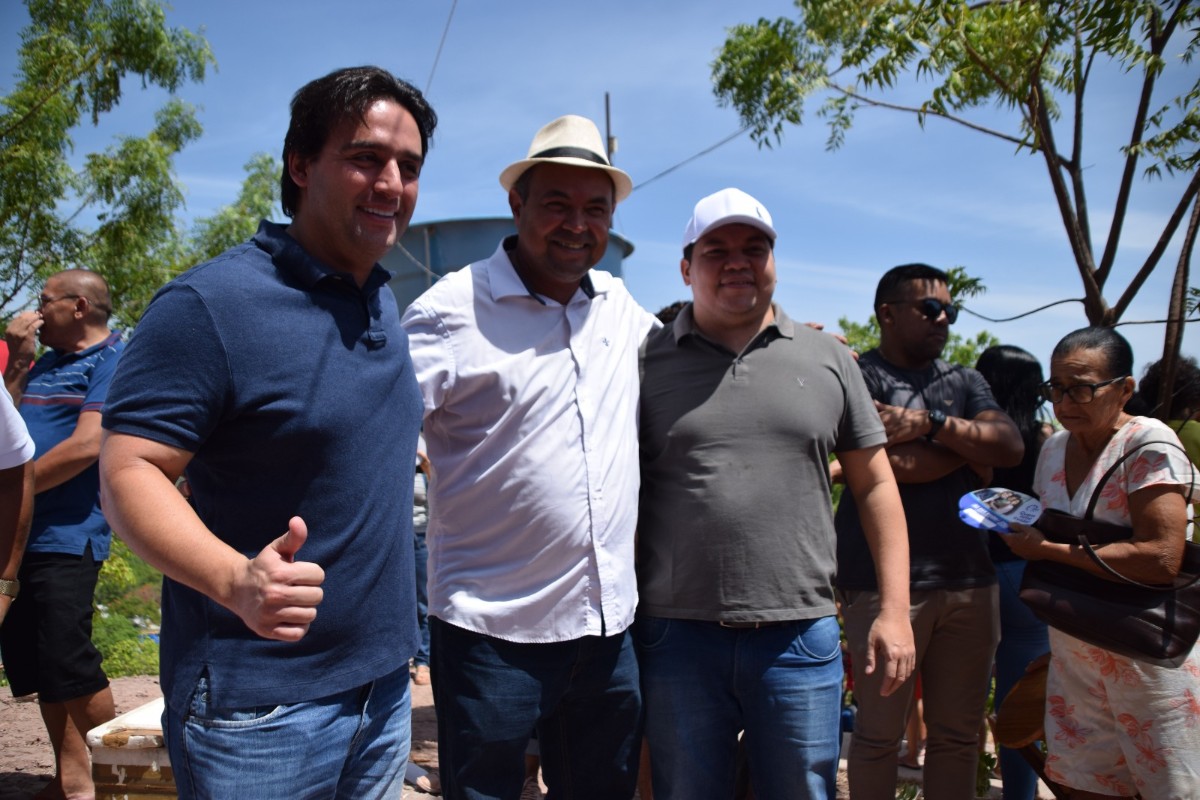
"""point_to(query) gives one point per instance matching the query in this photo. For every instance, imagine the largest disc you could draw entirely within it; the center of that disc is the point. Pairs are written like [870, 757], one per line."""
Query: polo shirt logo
[801, 382]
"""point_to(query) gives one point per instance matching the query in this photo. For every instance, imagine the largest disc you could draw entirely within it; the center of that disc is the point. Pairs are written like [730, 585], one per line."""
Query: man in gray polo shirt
[740, 411]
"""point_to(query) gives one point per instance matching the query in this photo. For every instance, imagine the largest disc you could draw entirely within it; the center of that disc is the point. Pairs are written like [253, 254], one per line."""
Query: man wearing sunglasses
[47, 636]
[944, 431]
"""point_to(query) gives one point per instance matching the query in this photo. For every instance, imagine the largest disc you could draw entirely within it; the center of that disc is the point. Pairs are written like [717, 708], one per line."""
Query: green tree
[1034, 59]
[74, 55]
[237, 222]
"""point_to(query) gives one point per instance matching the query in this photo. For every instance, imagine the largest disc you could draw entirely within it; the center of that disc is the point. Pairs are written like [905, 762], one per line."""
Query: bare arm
[989, 440]
[274, 595]
[1153, 555]
[890, 641]
[72, 455]
[16, 512]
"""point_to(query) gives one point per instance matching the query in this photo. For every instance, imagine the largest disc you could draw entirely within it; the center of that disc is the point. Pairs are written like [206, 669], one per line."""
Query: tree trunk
[1176, 317]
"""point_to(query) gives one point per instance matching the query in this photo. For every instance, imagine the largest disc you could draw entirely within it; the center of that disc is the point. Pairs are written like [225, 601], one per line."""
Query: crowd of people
[626, 526]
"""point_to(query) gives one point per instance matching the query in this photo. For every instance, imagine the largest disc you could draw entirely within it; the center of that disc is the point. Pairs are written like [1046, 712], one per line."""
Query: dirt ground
[27, 762]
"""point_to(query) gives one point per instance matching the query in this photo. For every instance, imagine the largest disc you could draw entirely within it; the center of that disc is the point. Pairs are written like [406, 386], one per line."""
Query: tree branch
[1074, 170]
[1163, 240]
[916, 111]
[1125, 187]
[1093, 301]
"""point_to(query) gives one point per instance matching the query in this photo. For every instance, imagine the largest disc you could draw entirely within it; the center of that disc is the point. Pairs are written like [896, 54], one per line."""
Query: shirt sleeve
[861, 426]
[100, 379]
[1162, 462]
[432, 354]
[979, 394]
[173, 382]
[15, 445]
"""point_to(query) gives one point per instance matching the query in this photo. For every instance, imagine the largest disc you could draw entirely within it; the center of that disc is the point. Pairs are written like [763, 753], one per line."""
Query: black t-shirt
[944, 552]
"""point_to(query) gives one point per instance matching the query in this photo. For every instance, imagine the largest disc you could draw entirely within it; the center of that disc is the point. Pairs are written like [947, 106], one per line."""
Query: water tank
[429, 250]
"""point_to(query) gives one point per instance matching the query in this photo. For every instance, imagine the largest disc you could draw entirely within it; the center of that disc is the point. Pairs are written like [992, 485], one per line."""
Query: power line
[1026, 314]
[441, 44]
[690, 159]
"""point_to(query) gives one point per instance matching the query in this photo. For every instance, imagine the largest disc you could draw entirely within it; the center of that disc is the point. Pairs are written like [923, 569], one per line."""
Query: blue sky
[892, 194]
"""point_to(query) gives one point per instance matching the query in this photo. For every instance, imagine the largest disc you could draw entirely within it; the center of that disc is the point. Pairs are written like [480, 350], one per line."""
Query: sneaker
[421, 675]
[531, 790]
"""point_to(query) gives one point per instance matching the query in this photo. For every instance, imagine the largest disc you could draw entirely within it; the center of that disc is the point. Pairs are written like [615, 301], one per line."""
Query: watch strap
[10, 588]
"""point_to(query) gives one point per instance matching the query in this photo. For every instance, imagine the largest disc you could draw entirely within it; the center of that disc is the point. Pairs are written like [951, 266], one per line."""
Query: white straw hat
[570, 140]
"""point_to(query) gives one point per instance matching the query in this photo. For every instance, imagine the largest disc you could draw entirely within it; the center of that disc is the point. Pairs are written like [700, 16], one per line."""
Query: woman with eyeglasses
[1015, 377]
[1114, 725]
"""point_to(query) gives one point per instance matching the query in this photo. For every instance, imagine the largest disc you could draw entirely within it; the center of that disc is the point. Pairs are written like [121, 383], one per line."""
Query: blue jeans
[421, 559]
[349, 745]
[581, 696]
[1023, 637]
[703, 683]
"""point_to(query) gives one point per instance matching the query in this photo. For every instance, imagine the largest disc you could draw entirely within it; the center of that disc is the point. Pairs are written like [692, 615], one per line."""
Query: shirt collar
[506, 281]
[290, 258]
[685, 325]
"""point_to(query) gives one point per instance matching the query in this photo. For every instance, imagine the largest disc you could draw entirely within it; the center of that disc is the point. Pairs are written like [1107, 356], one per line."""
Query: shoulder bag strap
[1091, 507]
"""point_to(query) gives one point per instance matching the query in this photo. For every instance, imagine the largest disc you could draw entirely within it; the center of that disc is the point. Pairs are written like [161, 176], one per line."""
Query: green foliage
[1033, 59]
[73, 57]
[237, 222]
[983, 773]
[137, 656]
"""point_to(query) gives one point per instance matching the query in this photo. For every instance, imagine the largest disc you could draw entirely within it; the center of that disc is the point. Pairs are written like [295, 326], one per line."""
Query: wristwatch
[10, 588]
[937, 418]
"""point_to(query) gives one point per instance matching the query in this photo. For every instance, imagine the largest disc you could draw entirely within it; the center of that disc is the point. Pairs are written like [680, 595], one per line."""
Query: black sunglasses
[931, 308]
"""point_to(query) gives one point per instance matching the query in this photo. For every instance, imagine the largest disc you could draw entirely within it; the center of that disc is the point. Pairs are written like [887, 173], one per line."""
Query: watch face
[937, 416]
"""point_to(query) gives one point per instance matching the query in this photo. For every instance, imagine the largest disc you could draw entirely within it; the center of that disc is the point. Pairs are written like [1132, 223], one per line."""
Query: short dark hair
[1118, 355]
[321, 105]
[894, 278]
[1185, 394]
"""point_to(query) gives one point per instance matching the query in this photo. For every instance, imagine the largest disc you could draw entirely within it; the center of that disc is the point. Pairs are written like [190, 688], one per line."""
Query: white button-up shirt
[531, 423]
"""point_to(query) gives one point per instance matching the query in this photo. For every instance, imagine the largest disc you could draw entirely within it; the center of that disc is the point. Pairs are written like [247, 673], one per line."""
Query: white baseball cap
[723, 208]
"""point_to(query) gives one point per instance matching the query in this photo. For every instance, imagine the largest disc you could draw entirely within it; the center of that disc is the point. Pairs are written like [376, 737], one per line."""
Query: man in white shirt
[527, 362]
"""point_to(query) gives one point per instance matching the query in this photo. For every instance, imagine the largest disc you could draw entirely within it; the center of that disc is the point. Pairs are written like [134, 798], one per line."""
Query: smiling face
[909, 338]
[358, 193]
[732, 275]
[562, 226]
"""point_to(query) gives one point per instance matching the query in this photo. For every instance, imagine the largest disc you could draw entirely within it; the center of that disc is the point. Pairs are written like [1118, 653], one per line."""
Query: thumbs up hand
[276, 595]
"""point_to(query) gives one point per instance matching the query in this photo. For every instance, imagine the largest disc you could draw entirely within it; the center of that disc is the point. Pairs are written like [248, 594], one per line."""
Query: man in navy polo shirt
[47, 637]
[278, 376]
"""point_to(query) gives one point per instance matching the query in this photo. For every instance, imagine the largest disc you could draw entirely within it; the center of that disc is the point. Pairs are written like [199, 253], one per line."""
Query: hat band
[572, 152]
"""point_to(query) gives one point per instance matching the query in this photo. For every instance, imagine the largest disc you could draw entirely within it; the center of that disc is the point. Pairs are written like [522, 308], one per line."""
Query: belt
[772, 623]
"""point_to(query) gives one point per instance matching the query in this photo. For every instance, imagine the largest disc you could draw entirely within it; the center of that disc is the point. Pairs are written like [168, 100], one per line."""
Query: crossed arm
[989, 440]
[275, 595]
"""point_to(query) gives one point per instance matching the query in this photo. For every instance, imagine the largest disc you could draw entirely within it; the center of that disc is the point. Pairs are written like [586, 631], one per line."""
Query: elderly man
[278, 376]
[737, 628]
[943, 428]
[47, 639]
[528, 365]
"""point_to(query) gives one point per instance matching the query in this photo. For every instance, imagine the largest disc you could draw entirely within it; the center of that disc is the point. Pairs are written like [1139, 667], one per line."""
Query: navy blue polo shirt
[61, 386]
[294, 389]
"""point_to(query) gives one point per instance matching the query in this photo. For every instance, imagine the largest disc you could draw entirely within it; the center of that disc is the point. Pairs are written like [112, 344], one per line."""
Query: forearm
[16, 512]
[14, 380]
[991, 441]
[1144, 562]
[918, 461]
[64, 461]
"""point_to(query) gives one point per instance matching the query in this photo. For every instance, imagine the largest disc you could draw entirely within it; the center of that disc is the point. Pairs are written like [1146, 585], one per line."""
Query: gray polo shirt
[735, 521]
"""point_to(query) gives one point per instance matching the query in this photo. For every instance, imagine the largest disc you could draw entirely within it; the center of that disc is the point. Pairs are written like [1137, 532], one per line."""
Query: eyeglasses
[1081, 393]
[931, 308]
[45, 301]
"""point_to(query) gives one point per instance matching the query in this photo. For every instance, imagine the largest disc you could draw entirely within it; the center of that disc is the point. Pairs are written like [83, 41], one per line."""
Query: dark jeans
[581, 696]
[421, 557]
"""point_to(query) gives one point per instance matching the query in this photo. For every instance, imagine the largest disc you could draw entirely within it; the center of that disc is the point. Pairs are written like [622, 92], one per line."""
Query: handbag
[1156, 624]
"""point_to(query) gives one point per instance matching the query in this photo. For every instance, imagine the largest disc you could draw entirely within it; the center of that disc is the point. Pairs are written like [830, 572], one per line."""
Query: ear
[514, 204]
[685, 269]
[884, 315]
[297, 168]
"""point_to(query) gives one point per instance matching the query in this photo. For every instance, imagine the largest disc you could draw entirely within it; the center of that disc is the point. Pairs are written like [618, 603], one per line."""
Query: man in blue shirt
[278, 376]
[47, 638]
